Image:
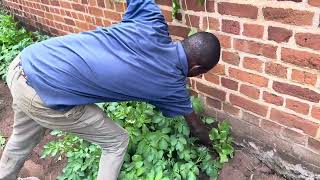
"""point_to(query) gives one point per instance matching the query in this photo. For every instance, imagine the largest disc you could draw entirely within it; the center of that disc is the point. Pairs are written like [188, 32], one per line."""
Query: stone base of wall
[285, 158]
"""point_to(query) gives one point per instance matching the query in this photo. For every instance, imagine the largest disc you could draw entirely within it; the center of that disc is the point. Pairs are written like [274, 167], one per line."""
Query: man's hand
[198, 129]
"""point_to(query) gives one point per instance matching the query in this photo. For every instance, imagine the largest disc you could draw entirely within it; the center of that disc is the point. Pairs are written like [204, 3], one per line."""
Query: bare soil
[242, 167]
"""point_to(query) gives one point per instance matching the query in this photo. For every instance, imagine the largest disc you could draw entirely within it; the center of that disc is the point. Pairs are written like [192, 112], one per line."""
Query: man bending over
[56, 83]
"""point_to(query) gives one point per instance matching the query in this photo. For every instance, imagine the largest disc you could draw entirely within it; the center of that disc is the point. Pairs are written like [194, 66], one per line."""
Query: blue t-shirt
[134, 60]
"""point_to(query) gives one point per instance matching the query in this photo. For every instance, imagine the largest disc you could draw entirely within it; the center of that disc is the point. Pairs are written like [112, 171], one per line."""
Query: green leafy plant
[160, 147]
[13, 39]
[222, 141]
[175, 8]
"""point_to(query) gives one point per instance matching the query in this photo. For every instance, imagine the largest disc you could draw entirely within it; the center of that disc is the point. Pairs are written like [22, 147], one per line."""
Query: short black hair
[203, 48]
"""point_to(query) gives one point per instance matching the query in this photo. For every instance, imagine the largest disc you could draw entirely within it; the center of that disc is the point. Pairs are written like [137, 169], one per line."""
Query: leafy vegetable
[175, 8]
[13, 40]
[160, 147]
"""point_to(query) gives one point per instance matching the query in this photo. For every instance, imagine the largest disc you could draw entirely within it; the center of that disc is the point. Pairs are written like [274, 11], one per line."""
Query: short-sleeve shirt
[134, 60]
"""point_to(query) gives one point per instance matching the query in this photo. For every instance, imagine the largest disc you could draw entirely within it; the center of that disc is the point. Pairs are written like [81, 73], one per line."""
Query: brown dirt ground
[242, 167]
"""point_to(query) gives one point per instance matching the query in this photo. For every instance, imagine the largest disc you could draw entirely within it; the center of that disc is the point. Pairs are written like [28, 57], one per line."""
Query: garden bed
[242, 167]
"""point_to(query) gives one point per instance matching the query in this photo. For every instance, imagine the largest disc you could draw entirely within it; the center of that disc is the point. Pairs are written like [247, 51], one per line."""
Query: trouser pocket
[53, 119]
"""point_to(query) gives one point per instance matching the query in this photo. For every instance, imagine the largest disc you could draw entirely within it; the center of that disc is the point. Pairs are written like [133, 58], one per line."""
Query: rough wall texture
[267, 83]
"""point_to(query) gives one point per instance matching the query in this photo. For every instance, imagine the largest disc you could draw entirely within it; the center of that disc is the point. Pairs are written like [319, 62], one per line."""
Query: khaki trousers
[31, 118]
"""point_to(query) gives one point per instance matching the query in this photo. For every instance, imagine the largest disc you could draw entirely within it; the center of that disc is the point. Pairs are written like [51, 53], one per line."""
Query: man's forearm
[198, 129]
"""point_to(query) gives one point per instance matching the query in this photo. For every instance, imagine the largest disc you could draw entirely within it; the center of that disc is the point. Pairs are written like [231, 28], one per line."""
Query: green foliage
[2, 142]
[192, 31]
[160, 147]
[175, 8]
[197, 105]
[83, 157]
[222, 141]
[13, 40]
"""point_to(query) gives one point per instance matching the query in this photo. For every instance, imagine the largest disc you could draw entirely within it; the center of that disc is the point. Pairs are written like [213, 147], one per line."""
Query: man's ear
[195, 71]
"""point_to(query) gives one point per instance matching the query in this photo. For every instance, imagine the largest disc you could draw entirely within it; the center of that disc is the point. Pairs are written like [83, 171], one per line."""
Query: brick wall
[267, 83]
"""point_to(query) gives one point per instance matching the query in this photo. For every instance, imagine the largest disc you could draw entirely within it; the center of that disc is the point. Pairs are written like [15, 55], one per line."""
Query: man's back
[132, 60]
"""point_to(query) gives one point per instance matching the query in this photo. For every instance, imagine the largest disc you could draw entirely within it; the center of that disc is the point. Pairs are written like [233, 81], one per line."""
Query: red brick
[98, 21]
[314, 2]
[194, 20]
[304, 77]
[272, 98]
[219, 69]
[253, 30]
[164, 2]
[297, 106]
[81, 17]
[82, 25]
[230, 26]
[69, 21]
[293, 121]
[65, 4]
[308, 40]
[315, 112]
[112, 15]
[89, 19]
[78, 7]
[252, 63]
[216, 93]
[215, 79]
[225, 41]
[314, 144]
[106, 22]
[296, 91]
[255, 48]
[250, 91]
[288, 16]
[230, 84]
[279, 34]
[49, 16]
[120, 6]
[96, 11]
[109, 5]
[228, 108]
[196, 6]
[270, 126]
[84, 2]
[214, 103]
[231, 57]
[101, 3]
[301, 58]
[68, 13]
[179, 31]
[91, 2]
[240, 10]
[276, 69]
[249, 105]
[248, 77]
[214, 23]
[54, 3]
[44, 1]
[294, 135]
[58, 18]
[167, 15]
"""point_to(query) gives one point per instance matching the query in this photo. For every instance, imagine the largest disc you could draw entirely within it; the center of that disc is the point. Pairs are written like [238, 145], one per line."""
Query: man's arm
[198, 128]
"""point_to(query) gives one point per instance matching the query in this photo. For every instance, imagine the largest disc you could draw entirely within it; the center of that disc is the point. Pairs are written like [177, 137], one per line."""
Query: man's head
[203, 52]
